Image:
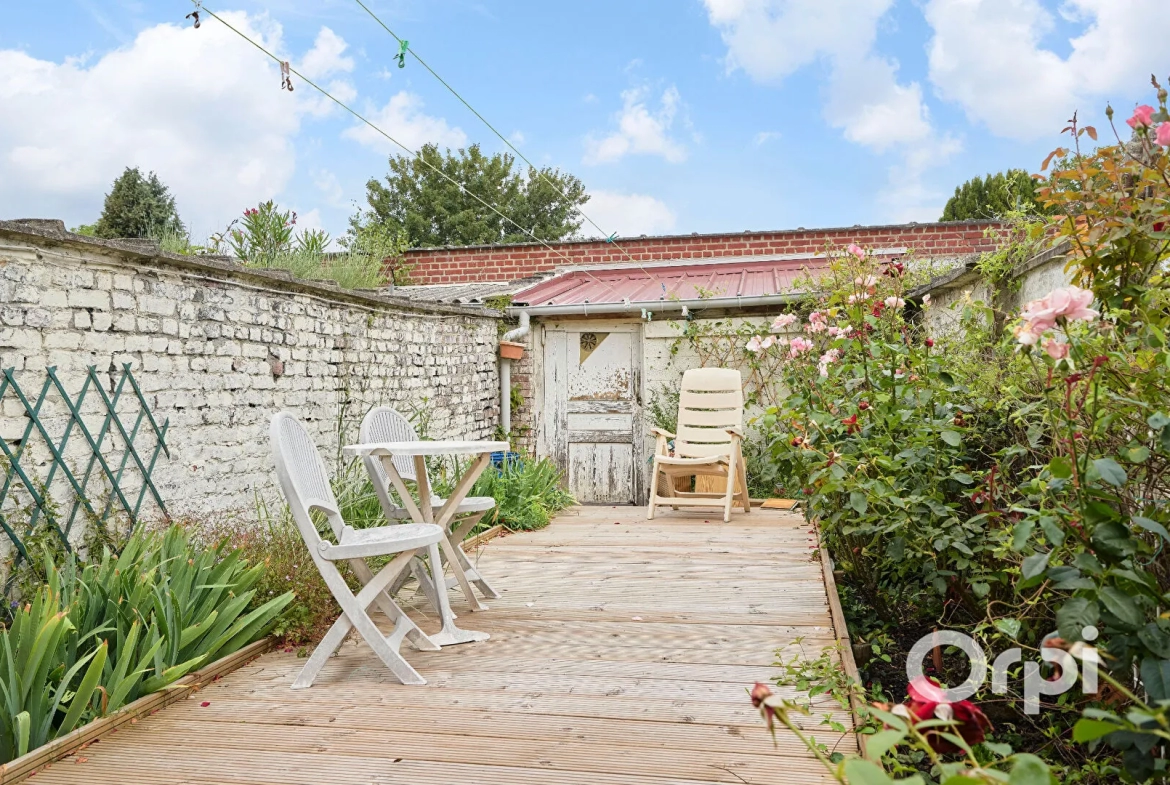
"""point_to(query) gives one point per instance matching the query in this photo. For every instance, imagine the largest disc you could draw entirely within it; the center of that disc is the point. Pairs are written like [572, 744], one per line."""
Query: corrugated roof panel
[707, 280]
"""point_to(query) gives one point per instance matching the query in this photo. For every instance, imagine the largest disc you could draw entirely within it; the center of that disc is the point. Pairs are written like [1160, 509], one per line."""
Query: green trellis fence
[120, 460]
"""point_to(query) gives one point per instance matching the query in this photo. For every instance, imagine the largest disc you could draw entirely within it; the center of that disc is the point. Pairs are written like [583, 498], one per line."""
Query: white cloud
[629, 214]
[986, 55]
[402, 118]
[907, 197]
[329, 186]
[641, 130]
[201, 107]
[517, 138]
[326, 58]
[763, 137]
[772, 39]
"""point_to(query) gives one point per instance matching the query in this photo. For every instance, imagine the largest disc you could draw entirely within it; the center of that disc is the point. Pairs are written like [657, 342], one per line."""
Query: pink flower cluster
[841, 332]
[1143, 117]
[830, 356]
[1041, 315]
[816, 323]
[856, 250]
[799, 346]
[783, 322]
[757, 344]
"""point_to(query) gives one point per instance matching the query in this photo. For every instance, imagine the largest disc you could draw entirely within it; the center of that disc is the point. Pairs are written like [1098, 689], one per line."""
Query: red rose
[929, 342]
[863, 405]
[850, 424]
[927, 701]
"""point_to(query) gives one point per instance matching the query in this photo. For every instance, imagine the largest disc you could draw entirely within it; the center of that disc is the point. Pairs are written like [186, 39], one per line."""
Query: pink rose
[816, 322]
[1070, 303]
[799, 346]
[1026, 334]
[1162, 136]
[1143, 116]
[894, 302]
[1056, 350]
[858, 251]
[783, 322]
[754, 345]
[830, 356]
[926, 301]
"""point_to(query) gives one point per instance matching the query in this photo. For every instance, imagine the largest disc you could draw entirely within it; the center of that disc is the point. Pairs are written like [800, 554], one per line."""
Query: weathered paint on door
[591, 392]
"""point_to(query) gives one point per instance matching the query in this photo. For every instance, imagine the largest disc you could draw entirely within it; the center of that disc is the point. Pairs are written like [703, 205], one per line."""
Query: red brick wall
[508, 262]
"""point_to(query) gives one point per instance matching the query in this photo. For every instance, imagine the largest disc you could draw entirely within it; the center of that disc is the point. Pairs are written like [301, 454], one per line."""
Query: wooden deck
[621, 654]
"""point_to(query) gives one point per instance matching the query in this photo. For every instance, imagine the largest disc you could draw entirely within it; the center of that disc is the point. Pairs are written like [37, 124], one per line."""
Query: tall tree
[138, 206]
[432, 210]
[994, 197]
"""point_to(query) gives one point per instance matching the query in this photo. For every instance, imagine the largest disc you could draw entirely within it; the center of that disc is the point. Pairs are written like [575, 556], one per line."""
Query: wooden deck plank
[620, 655]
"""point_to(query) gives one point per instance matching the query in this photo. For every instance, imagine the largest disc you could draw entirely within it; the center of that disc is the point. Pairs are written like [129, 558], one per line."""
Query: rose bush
[1011, 483]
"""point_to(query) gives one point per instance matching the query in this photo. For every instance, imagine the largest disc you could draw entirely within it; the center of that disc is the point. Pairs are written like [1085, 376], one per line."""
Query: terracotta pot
[510, 350]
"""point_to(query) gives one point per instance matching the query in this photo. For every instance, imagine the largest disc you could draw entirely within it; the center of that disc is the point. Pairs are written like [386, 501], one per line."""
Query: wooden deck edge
[487, 534]
[19, 769]
[841, 633]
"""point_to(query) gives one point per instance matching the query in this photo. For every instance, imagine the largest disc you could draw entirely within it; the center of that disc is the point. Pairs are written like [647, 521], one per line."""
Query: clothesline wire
[540, 173]
[378, 130]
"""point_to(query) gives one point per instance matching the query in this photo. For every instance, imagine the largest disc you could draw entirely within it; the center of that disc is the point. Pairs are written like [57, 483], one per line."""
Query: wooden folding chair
[384, 424]
[709, 443]
[306, 487]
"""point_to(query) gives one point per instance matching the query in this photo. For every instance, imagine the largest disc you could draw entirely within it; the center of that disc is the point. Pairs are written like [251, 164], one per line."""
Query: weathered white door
[592, 396]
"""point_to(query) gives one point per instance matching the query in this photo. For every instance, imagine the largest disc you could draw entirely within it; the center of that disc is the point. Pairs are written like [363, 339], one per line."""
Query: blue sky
[679, 115]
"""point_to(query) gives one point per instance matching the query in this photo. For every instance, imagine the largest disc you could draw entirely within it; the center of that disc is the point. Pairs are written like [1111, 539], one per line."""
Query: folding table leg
[449, 634]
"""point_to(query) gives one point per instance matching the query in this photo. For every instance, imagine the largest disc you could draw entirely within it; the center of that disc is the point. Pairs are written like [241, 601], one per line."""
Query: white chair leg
[729, 498]
[404, 626]
[449, 551]
[653, 492]
[323, 652]
[355, 616]
[457, 538]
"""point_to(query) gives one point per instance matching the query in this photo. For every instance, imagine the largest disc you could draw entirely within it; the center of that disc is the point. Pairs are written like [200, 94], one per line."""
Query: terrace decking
[621, 654]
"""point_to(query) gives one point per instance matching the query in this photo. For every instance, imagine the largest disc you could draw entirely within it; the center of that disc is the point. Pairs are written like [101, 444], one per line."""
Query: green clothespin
[610, 239]
[403, 45]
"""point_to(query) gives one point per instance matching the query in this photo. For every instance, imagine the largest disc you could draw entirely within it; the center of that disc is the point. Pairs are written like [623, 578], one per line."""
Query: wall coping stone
[147, 254]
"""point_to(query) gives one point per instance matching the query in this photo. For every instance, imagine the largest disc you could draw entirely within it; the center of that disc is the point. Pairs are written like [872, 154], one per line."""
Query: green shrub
[135, 621]
[528, 493]
[44, 691]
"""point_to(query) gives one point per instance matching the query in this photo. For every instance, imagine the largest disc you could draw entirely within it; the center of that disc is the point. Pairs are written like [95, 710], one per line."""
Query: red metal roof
[710, 280]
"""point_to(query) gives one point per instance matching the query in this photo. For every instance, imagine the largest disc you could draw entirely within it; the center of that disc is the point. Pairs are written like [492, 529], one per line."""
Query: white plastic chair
[384, 424]
[305, 485]
[709, 443]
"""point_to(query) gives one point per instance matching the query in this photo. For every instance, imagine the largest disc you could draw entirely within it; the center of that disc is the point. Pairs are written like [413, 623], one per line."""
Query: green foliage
[137, 207]
[432, 210]
[46, 684]
[265, 236]
[120, 627]
[663, 407]
[1014, 487]
[996, 196]
[528, 493]
[1026, 238]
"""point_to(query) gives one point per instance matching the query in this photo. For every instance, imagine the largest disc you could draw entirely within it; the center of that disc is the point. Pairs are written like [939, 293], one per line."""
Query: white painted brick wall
[219, 350]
